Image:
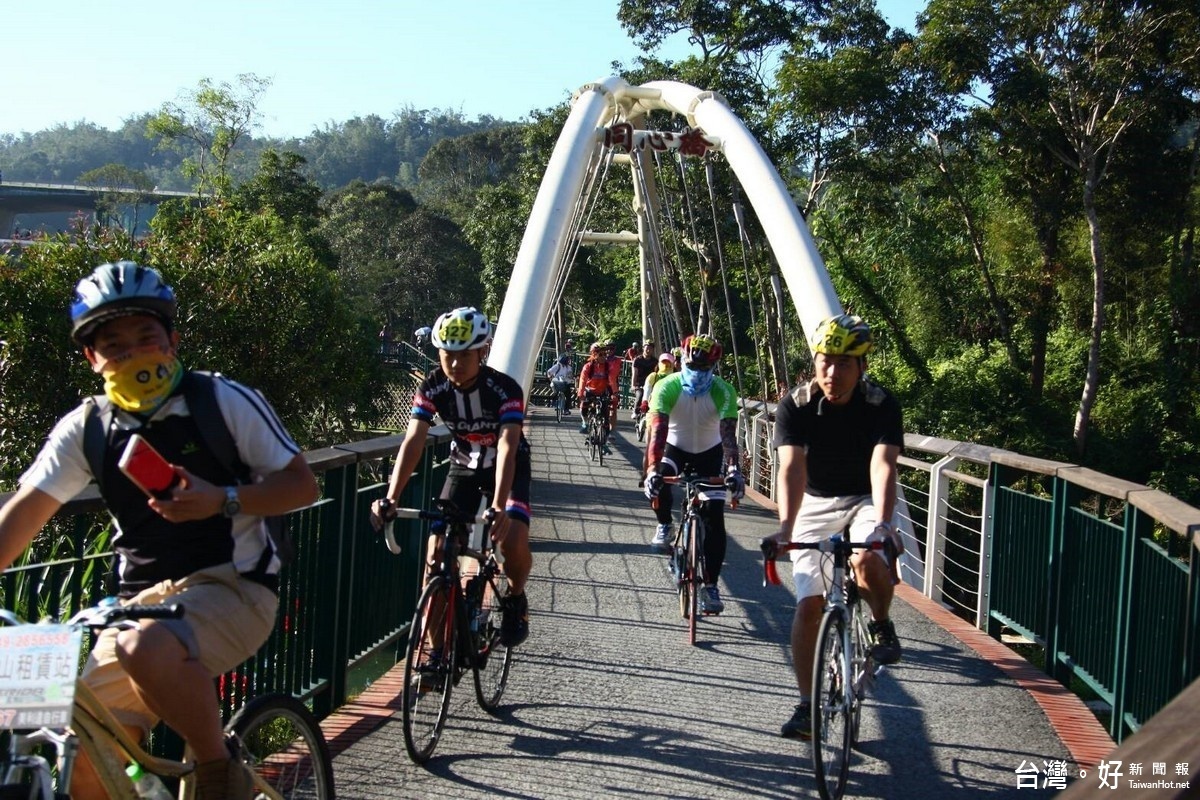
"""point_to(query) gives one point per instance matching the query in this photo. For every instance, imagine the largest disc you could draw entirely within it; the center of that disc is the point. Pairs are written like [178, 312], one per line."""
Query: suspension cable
[697, 246]
[668, 325]
[739, 216]
[678, 260]
[585, 205]
[712, 204]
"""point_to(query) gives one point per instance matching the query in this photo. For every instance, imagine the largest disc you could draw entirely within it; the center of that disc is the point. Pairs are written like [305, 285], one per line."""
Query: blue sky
[103, 61]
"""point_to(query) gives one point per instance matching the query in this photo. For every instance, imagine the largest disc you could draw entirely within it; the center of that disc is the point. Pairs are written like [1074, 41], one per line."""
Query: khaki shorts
[820, 518]
[226, 620]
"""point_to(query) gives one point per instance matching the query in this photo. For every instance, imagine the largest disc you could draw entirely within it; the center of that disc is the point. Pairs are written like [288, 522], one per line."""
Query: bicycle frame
[450, 546]
[598, 424]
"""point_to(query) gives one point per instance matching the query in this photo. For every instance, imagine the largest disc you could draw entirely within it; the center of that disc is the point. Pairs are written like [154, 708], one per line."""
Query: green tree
[455, 168]
[1094, 67]
[118, 186]
[280, 186]
[210, 122]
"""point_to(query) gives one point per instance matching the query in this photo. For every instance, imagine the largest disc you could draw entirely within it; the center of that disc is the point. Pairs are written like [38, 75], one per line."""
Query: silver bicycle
[843, 669]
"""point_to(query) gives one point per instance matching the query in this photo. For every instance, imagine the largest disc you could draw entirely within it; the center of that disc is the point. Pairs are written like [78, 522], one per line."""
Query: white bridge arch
[596, 105]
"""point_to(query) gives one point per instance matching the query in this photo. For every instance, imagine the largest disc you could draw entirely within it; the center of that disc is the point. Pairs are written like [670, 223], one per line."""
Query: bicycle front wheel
[282, 742]
[680, 571]
[695, 578]
[492, 659]
[863, 666]
[832, 698]
[602, 437]
[429, 666]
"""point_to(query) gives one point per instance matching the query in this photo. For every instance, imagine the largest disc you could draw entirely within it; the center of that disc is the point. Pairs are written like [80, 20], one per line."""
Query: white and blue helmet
[119, 289]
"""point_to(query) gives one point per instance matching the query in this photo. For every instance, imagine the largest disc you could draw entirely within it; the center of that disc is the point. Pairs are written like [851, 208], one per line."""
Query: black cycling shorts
[465, 487]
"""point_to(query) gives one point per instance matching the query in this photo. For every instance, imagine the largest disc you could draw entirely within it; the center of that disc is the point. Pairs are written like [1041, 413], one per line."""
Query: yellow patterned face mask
[140, 380]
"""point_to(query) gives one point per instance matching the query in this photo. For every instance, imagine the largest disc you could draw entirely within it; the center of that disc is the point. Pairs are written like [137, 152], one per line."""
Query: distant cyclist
[837, 454]
[642, 366]
[562, 380]
[489, 456]
[598, 380]
[693, 423]
[666, 365]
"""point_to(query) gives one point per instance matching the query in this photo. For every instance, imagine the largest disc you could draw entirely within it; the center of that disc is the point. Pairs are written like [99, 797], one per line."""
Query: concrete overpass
[21, 199]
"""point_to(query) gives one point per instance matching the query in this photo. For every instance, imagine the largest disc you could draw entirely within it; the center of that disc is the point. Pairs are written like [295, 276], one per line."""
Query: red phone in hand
[146, 467]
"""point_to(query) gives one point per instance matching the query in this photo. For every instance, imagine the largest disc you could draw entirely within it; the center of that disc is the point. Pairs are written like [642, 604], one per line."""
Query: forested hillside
[1009, 195]
[364, 148]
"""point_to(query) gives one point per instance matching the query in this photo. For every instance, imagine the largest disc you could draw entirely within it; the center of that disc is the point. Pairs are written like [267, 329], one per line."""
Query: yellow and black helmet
[843, 335]
[701, 352]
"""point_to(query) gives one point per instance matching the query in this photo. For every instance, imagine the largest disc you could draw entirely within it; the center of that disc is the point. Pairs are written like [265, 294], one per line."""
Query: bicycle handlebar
[715, 482]
[389, 512]
[771, 550]
[107, 613]
[434, 515]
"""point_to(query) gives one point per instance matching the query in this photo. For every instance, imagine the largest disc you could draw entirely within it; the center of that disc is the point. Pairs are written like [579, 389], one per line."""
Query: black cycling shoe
[514, 623]
[885, 648]
[800, 725]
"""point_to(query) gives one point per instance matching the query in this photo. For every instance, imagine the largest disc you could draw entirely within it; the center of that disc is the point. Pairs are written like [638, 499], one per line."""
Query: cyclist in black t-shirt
[837, 454]
[642, 366]
[484, 409]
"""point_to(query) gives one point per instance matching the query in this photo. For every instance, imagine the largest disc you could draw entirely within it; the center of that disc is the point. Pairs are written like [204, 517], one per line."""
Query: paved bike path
[607, 699]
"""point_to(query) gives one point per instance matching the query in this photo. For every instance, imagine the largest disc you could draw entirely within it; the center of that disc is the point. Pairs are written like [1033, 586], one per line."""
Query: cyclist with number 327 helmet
[489, 456]
[837, 454]
[693, 423]
[201, 543]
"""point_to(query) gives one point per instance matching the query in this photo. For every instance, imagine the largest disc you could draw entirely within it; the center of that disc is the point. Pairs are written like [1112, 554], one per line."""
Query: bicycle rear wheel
[832, 706]
[492, 659]
[281, 740]
[429, 669]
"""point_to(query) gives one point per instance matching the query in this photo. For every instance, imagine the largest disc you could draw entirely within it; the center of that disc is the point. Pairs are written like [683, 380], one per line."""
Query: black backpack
[199, 388]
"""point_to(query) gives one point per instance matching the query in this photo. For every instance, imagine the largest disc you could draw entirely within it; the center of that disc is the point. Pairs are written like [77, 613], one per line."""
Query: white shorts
[819, 519]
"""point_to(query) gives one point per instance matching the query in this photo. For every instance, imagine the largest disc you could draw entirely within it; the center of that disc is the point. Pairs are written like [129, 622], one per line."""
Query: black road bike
[455, 628]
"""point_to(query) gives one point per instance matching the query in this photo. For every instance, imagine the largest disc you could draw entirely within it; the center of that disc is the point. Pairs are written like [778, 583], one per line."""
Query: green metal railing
[343, 600]
[1102, 573]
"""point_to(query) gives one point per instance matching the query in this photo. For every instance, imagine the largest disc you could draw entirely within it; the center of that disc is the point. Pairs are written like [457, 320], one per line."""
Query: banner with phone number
[38, 667]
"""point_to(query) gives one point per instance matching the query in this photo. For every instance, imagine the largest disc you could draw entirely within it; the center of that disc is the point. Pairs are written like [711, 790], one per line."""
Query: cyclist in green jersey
[693, 424]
